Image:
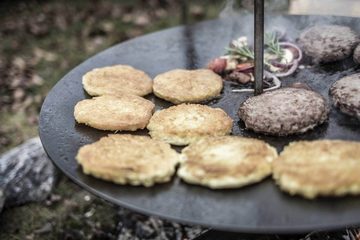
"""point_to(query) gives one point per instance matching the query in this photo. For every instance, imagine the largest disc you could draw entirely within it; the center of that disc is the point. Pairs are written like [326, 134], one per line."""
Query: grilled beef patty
[328, 43]
[346, 95]
[357, 54]
[284, 112]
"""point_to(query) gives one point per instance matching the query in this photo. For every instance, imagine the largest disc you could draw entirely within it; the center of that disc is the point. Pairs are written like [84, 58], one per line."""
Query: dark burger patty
[328, 43]
[285, 111]
[357, 54]
[346, 95]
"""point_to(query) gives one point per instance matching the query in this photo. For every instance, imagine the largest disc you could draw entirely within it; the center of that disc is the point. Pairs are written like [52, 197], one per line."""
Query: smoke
[228, 10]
[239, 19]
[232, 7]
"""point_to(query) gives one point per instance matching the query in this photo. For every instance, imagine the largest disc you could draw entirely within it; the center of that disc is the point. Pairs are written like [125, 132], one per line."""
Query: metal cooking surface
[260, 208]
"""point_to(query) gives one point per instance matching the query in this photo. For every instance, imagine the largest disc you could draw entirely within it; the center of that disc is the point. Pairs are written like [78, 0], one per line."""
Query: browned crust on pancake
[319, 168]
[226, 162]
[129, 159]
[117, 80]
[186, 123]
[128, 112]
[187, 86]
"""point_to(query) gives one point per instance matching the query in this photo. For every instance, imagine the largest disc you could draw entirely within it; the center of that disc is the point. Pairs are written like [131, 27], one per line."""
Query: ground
[40, 42]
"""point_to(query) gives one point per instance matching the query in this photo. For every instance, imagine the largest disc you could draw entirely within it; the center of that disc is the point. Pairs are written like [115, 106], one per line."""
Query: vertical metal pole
[184, 12]
[259, 45]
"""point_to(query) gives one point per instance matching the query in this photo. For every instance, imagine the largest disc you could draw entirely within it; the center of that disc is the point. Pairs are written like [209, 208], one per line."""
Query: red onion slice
[293, 65]
[294, 46]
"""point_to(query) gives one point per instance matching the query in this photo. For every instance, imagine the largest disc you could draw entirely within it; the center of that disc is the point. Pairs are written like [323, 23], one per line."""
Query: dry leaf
[37, 80]
[142, 19]
[18, 94]
[19, 63]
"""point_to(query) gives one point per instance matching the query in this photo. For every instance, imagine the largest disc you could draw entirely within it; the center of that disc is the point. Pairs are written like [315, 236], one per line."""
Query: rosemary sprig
[240, 52]
[272, 45]
[240, 49]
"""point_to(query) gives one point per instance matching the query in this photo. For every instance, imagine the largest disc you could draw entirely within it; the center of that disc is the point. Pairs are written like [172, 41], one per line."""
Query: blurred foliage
[42, 40]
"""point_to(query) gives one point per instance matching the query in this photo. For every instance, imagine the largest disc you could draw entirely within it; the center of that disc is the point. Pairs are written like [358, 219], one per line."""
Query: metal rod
[259, 45]
[184, 12]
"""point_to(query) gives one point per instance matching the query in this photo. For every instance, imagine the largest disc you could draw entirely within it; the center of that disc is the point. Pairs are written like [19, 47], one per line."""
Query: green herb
[272, 45]
[240, 52]
[240, 49]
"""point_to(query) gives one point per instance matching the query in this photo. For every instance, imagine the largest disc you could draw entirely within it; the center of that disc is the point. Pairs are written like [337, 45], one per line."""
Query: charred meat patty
[328, 43]
[346, 95]
[357, 54]
[284, 112]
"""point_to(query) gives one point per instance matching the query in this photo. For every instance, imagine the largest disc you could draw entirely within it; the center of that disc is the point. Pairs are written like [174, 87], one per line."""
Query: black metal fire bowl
[260, 208]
